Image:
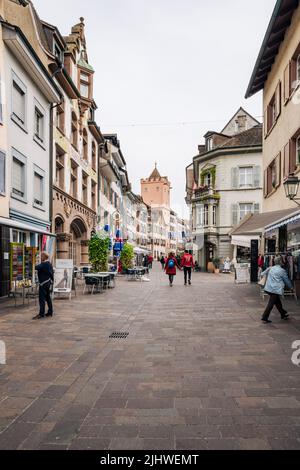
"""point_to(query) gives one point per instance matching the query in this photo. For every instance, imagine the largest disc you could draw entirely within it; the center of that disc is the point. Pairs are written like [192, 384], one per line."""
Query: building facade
[28, 94]
[224, 185]
[277, 73]
[114, 184]
[76, 141]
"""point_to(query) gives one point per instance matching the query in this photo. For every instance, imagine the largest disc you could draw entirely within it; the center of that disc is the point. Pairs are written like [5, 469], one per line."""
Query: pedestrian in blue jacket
[277, 279]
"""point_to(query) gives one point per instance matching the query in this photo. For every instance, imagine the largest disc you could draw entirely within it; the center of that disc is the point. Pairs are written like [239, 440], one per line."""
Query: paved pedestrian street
[198, 370]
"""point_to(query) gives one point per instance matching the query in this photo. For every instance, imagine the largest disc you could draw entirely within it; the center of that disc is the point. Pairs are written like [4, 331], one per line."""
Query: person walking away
[150, 261]
[277, 279]
[162, 262]
[46, 277]
[187, 263]
[170, 268]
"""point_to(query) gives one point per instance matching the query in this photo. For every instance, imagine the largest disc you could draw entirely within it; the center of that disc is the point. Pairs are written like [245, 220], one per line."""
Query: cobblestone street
[197, 371]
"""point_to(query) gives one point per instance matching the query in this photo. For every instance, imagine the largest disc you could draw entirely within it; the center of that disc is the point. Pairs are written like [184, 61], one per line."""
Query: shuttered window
[273, 111]
[18, 178]
[2, 173]
[286, 164]
[257, 177]
[234, 178]
[287, 82]
[18, 102]
[38, 190]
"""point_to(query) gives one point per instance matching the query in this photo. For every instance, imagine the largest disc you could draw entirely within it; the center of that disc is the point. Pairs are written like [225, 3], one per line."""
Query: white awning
[26, 227]
[244, 241]
[281, 223]
[141, 251]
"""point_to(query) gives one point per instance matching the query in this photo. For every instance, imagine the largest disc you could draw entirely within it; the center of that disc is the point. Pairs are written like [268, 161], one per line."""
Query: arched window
[85, 145]
[74, 130]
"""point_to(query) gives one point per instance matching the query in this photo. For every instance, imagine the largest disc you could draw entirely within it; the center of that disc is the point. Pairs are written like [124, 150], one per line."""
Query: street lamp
[291, 186]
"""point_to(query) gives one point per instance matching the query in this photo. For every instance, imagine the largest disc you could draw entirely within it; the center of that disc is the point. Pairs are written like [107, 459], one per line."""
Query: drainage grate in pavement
[119, 335]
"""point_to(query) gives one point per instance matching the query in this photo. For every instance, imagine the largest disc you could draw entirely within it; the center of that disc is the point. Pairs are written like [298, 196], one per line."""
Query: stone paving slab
[197, 371]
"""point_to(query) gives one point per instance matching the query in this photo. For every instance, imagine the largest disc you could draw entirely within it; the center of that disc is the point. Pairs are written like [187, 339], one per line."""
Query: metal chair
[91, 283]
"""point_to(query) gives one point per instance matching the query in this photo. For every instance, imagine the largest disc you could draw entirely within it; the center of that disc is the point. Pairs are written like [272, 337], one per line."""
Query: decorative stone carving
[67, 209]
[64, 237]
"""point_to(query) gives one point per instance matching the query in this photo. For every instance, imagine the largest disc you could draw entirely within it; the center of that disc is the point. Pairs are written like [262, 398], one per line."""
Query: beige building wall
[4, 198]
[288, 122]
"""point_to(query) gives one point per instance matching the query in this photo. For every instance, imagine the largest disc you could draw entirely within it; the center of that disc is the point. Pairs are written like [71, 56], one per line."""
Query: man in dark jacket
[46, 277]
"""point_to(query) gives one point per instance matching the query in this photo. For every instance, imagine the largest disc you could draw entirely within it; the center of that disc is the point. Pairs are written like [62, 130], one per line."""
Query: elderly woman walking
[277, 279]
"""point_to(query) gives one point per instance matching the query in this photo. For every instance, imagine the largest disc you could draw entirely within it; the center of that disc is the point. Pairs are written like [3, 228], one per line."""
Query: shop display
[17, 262]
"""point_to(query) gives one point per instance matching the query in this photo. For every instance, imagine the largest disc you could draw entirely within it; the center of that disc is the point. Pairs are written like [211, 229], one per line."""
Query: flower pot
[217, 271]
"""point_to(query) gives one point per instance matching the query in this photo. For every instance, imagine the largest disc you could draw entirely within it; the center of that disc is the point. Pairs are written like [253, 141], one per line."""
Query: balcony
[205, 193]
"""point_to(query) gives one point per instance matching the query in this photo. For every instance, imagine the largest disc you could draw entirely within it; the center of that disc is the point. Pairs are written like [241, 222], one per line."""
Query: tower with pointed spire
[156, 189]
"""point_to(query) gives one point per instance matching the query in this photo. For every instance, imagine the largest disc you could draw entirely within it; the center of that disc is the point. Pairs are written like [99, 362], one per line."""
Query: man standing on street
[187, 263]
[46, 277]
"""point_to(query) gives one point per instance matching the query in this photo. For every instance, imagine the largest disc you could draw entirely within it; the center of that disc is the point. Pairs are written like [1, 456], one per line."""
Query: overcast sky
[162, 63]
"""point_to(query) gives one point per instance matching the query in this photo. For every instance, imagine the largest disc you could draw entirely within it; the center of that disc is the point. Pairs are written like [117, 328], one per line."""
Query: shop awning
[26, 227]
[244, 241]
[285, 221]
[141, 251]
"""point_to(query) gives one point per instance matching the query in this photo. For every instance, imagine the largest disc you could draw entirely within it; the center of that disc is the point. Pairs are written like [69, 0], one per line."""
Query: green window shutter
[256, 208]
[235, 214]
[234, 178]
[257, 177]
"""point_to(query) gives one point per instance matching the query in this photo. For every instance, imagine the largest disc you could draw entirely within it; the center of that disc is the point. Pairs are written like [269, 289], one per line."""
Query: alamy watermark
[296, 353]
[2, 353]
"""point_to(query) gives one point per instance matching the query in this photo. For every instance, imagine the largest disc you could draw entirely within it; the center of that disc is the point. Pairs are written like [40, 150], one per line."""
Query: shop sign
[242, 274]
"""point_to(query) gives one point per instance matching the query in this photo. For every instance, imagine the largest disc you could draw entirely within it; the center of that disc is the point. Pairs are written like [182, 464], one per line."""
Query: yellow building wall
[289, 121]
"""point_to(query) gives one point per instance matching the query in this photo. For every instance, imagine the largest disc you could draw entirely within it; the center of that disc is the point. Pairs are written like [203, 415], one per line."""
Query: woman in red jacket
[170, 268]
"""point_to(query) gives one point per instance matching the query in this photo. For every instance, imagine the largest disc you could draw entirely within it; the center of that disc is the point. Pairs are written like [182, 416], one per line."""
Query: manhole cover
[119, 335]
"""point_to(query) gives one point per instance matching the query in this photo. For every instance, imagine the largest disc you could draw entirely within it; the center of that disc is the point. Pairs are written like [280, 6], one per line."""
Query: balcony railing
[206, 192]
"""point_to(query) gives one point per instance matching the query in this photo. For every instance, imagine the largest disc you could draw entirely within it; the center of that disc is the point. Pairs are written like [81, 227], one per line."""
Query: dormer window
[85, 85]
[209, 144]
[208, 180]
[58, 52]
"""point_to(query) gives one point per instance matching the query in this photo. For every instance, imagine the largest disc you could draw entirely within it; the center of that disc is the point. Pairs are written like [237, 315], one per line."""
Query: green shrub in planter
[127, 256]
[99, 252]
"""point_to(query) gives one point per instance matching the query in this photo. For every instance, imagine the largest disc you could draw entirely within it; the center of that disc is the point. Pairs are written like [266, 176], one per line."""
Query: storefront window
[294, 236]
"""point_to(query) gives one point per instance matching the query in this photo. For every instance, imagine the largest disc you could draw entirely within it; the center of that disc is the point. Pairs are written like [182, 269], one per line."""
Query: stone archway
[78, 244]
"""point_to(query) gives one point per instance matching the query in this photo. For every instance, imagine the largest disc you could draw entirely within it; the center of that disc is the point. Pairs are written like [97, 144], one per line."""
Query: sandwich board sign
[63, 277]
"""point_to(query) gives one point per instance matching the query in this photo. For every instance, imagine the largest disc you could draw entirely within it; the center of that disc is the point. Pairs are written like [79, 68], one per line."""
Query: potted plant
[216, 263]
[127, 257]
[99, 252]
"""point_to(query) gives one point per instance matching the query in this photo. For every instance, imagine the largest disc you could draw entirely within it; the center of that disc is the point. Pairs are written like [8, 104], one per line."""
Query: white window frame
[244, 172]
[209, 144]
[214, 216]
[38, 109]
[298, 149]
[41, 173]
[17, 120]
[23, 160]
[3, 161]
[206, 215]
[245, 212]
